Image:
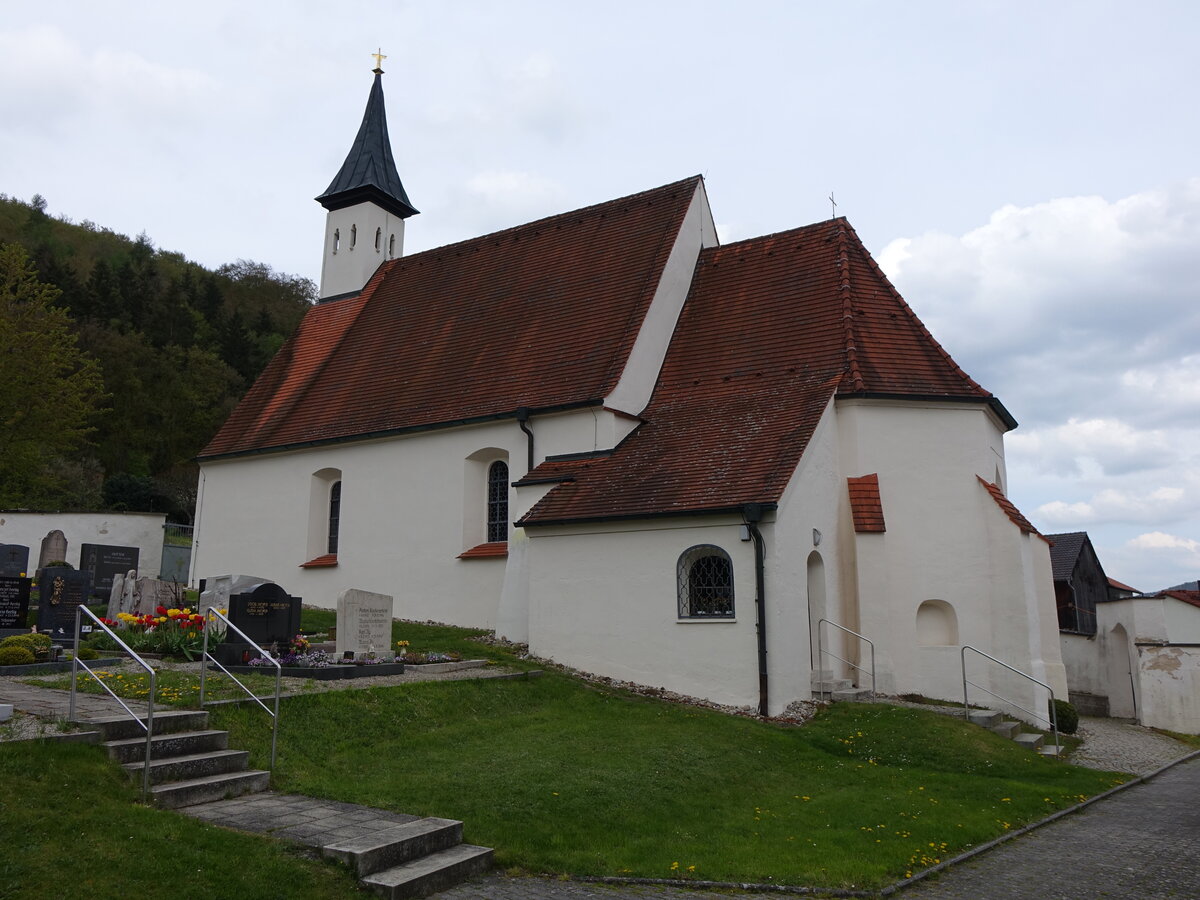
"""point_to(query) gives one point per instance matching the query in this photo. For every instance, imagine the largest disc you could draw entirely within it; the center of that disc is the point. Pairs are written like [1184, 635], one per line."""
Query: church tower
[367, 205]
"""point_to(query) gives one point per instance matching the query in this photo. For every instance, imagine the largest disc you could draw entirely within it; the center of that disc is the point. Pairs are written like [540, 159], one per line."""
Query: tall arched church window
[337, 240]
[704, 575]
[392, 246]
[378, 239]
[353, 236]
[497, 502]
[335, 515]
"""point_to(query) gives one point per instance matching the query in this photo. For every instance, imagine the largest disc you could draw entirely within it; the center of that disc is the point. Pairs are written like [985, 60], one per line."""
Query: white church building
[648, 455]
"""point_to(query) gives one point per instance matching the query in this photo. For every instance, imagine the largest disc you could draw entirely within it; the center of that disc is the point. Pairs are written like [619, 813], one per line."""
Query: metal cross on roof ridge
[379, 58]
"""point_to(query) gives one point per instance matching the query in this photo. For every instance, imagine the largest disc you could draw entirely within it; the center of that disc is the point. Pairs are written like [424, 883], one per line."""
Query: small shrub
[89, 653]
[19, 640]
[14, 655]
[40, 641]
[58, 564]
[1066, 716]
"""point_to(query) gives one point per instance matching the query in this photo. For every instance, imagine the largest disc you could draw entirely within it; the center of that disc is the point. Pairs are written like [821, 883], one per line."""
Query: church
[649, 455]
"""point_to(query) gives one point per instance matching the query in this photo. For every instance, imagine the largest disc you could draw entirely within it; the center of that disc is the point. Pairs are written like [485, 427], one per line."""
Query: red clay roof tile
[865, 504]
[1011, 511]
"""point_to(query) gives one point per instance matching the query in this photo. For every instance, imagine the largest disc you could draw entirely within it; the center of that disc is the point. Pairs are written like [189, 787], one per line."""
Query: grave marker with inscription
[104, 561]
[364, 623]
[267, 615]
[54, 548]
[14, 601]
[14, 560]
[59, 592]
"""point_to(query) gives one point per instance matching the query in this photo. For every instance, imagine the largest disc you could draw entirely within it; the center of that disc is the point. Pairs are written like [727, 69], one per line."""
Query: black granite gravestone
[14, 601]
[267, 615]
[104, 561]
[59, 592]
[14, 560]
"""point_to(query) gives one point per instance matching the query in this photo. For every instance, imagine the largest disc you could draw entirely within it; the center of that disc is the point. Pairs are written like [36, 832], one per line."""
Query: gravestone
[14, 601]
[54, 548]
[59, 592]
[266, 614]
[364, 623]
[139, 596]
[104, 561]
[218, 589]
[14, 560]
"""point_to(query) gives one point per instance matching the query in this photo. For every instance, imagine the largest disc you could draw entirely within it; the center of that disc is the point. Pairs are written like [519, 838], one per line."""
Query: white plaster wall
[947, 540]
[349, 268]
[402, 521]
[141, 530]
[1169, 681]
[697, 231]
[1182, 621]
[1084, 658]
[575, 431]
[603, 599]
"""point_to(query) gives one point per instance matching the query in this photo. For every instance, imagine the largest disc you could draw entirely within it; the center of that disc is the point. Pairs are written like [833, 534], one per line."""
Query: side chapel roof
[772, 330]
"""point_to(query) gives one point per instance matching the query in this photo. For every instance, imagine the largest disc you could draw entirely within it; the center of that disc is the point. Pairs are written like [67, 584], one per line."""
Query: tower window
[378, 239]
[337, 240]
[353, 236]
[392, 246]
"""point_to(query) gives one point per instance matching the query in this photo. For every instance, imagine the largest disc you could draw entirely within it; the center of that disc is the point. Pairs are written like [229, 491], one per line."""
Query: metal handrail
[821, 651]
[278, 675]
[76, 662]
[1052, 718]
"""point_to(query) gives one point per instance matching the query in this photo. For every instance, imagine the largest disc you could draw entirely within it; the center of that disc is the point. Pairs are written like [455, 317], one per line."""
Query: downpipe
[752, 514]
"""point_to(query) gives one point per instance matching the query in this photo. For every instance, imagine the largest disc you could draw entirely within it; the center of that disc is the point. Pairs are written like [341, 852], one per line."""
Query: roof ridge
[908, 310]
[846, 290]
[542, 222]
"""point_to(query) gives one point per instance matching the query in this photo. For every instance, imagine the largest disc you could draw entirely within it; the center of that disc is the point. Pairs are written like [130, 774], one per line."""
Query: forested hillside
[176, 346]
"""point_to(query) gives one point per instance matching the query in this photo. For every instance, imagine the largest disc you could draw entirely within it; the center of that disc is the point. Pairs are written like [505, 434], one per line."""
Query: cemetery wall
[141, 530]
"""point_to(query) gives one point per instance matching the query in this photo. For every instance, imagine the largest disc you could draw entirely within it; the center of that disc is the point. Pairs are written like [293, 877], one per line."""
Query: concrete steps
[189, 763]
[837, 690]
[430, 874]
[995, 722]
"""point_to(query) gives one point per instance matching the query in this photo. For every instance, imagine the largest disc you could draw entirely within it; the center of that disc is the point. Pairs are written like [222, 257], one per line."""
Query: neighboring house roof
[369, 172]
[772, 330]
[865, 504]
[1191, 597]
[541, 316]
[1064, 552]
[1011, 511]
[1113, 583]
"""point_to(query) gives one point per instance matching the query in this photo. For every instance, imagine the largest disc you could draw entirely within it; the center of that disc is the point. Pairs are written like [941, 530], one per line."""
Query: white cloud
[1157, 540]
[1099, 446]
[1113, 505]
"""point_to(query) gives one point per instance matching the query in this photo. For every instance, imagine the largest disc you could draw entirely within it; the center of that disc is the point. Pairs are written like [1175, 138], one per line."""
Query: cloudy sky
[1026, 172]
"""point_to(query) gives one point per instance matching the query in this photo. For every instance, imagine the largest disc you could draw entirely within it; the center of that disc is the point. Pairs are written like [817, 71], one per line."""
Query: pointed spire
[369, 172]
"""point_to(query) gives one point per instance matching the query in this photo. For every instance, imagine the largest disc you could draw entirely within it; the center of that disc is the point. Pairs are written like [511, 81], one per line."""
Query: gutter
[752, 513]
[993, 402]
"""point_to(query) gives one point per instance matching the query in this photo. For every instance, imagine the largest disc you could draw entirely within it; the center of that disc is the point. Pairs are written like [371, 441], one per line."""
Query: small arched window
[337, 240]
[335, 515]
[353, 236]
[497, 502]
[705, 580]
[392, 246]
[378, 239]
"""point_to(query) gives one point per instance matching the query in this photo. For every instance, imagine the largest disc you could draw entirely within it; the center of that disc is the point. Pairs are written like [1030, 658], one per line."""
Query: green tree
[50, 390]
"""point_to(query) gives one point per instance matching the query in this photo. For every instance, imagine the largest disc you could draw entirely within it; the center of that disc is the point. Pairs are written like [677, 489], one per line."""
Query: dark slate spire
[369, 172]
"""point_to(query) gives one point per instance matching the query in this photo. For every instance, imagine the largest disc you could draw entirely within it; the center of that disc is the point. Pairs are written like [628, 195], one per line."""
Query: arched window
[337, 240]
[353, 236]
[378, 239]
[497, 502]
[392, 246]
[335, 515]
[705, 580]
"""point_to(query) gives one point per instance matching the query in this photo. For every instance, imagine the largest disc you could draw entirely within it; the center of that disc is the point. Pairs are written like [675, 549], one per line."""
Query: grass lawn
[72, 827]
[563, 777]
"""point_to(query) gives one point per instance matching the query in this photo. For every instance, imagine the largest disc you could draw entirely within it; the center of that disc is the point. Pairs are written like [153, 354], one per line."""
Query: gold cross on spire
[379, 58]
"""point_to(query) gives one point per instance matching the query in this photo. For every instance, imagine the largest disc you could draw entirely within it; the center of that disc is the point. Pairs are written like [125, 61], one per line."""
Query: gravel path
[1120, 747]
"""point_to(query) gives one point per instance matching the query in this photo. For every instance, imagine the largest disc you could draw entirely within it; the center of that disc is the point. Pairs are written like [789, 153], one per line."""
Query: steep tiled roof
[1064, 552]
[1010, 510]
[772, 329]
[865, 504]
[1191, 597]
[541, 316]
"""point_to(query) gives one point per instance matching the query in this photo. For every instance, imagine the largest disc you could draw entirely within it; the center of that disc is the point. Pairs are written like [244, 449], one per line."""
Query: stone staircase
[189, 763]
[995, 722]
[826, 687]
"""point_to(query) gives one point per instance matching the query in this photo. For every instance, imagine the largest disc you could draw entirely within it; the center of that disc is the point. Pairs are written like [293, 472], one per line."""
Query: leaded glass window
[497, 502]
[335, 515]
[705, 581]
